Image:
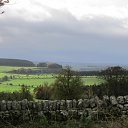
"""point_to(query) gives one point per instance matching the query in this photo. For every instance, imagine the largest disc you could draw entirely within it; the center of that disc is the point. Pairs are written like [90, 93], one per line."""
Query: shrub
[25, 93]
[43, 92]
[5, 78]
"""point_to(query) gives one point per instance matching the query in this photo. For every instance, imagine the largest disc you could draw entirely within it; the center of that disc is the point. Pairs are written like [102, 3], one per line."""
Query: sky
[77, 31]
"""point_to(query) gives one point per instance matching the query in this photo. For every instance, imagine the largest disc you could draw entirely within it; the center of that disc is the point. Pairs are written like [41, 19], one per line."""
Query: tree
[43, 64]
[68, 85]
[115, 73]
[116, 81]
[2, 3]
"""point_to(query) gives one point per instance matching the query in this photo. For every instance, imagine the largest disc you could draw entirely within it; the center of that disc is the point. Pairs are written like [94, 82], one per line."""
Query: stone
[94, 114]
[64, 113]
[58, 104]
[3, 105]
[100, 103]
[80, 104]
[126, 107]
[24, 104]
[106, 100]
[16, 113]
[95, 109]
[120, 106]
[1, 114]
[74, 104]
[19, 105]
[9, 105]
[39, 106]
[64, 108]
[6, 114]
[62, 105]
[126, 99]
[124, 112]
[69, 104]
[113, 100]
[72, 113]
[46, 105]
[30, 104]
[40, 114]
[86, 103]
[120, 100]
[51, 106]
[34, 105]
[97, 100]
[80, 112]
[53, 113]
[26, 114]
[92, 103]
[85, 113]
[89, 111]
[14, 105]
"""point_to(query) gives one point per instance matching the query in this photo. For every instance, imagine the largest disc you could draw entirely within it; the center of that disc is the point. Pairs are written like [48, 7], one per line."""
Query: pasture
[10, 68]
[33, 81]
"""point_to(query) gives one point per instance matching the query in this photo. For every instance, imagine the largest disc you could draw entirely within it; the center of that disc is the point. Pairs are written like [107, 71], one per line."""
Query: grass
[9, 88]
[91, 80]
[33, 80]
[10, 68]
[4, 74]
[14, 85]
[29, 82]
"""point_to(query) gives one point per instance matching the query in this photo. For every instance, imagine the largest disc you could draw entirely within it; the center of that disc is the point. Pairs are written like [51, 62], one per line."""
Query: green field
[91, 80]
[33, 80]
[10, 68]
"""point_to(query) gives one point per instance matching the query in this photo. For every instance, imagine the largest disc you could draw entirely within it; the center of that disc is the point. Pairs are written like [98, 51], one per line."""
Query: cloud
[37, 9]
[62, 37]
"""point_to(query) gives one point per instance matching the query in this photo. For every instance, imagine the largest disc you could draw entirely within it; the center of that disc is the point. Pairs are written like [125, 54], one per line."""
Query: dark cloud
[62, 37]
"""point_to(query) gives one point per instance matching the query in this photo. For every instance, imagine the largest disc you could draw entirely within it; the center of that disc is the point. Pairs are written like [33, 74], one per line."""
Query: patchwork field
[14, 84]
[10, 68]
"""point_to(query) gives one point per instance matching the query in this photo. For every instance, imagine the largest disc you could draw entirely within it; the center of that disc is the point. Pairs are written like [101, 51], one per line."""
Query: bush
[25, 93]
[43, 92]
[5, 78]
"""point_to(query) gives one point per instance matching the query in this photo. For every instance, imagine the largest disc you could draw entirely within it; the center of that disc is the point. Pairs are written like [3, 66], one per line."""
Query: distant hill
[16, 62]
[54, 65]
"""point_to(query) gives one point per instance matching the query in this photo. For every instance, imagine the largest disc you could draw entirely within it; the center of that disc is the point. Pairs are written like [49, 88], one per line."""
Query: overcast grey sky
[85, 31]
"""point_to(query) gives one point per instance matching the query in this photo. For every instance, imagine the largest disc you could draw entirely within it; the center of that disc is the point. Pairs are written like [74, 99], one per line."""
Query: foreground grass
[44, 123]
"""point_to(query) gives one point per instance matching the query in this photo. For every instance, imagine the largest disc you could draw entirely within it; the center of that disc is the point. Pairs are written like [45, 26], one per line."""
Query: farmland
[32, 81]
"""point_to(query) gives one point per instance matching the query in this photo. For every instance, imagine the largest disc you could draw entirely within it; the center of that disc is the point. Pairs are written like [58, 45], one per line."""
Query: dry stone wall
[90, 107]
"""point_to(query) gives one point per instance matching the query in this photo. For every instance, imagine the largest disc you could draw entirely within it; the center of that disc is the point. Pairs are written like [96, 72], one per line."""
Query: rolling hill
[16, 62]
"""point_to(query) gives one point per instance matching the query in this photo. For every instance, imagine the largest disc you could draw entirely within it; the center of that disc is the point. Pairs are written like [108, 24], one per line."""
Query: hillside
[16, 62]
